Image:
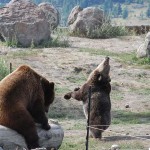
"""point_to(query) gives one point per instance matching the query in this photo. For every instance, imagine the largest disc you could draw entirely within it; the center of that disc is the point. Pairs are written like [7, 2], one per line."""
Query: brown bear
[100, 116]
[25, 96]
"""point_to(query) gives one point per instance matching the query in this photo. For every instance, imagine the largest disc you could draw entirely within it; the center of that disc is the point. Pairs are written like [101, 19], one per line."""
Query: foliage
[107, 31]
[113, 7]
[124, 117]
[148, 11]
[13, 42]
[125, 13]
[59, 39]
[3, 69]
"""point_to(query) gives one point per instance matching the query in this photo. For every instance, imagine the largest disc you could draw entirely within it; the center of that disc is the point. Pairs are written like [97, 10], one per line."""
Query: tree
[148, 11]
[117, 10]
[107, 7]
[128, 2]
[125, 13]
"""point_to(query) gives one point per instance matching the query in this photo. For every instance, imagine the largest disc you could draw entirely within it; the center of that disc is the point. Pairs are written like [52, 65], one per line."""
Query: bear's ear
[46, 84]
[52, 84]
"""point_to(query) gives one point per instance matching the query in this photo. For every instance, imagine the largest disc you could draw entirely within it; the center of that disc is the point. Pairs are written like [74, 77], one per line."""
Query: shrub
[55, 42]
[59, 39]
[3, 69]
[107, 31]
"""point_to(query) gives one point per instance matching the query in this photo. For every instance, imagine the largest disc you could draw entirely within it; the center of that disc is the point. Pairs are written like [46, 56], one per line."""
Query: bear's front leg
[38, 113]
[76, 94]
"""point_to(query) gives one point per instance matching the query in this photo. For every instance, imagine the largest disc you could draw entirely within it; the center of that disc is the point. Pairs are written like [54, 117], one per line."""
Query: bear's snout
[67, 96]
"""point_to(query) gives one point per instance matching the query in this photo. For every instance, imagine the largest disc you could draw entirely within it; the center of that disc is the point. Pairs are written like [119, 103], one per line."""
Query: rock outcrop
[26, 22]
[144, 49]
[83, 20]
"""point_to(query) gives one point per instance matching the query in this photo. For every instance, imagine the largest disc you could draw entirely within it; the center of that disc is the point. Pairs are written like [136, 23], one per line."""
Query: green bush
[13, 42]
[107, 31]
[59, 39]
[4, 71]
[55, 42]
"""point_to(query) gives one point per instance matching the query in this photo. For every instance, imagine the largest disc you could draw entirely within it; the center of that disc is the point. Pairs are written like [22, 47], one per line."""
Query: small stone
[127, 106]
[115, 147]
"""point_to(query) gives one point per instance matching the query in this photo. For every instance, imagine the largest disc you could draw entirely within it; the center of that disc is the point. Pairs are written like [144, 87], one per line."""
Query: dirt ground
[69, 68]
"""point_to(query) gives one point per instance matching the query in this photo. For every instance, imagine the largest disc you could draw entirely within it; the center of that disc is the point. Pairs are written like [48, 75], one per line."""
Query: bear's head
[49, 93]
[101, 73]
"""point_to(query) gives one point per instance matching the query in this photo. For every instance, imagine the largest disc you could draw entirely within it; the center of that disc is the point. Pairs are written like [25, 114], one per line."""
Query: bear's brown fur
[100, 116]
[25, 96]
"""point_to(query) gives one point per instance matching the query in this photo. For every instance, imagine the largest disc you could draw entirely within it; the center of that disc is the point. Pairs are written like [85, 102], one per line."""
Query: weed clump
[58, 39]
[4, 71]
[106, 30]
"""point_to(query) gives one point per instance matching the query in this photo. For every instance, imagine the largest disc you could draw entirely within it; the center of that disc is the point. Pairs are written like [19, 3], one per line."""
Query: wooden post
[88, 120]
[10, 68]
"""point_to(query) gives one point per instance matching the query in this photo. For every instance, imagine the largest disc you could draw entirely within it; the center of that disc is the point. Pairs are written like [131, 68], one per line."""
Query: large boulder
[73, 15]
[83, 20]
[11, 140]
[144, 49]
[26, 22]
[51, 14]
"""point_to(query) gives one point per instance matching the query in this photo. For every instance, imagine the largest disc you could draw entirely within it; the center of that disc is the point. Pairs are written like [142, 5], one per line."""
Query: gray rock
[51, 14]
[73, 15]
[11, 140]
[144, 49]
[127, 106]
[25, 22]
[85, 20]
[115, 147]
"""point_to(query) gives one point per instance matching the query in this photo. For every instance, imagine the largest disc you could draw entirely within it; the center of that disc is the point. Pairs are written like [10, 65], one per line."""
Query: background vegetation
[114, 8]
[4, 70]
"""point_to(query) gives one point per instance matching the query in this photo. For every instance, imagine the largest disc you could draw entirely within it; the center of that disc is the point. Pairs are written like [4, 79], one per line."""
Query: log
[51, 139]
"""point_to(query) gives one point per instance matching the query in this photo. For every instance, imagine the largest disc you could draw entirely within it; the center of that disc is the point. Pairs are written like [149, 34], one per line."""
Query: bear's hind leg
[96, 133]
[22, 122]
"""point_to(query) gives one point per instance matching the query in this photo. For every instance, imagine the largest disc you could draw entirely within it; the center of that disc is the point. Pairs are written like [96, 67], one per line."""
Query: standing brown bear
[25, 96]
[100, 116]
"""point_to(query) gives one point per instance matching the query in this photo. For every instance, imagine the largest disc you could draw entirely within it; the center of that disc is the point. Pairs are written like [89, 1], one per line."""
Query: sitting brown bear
[25, 96]
[100, 116]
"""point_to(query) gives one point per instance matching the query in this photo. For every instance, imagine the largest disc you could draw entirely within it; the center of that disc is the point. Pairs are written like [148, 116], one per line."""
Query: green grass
[125, 117]
[4, 69]
[57, 40]
[78, 143]
[80, 79]
[61, 90]
[117, 95]
[141, 91]
[107, 31]
[129, 58]
[54, 42]
[23, 53]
